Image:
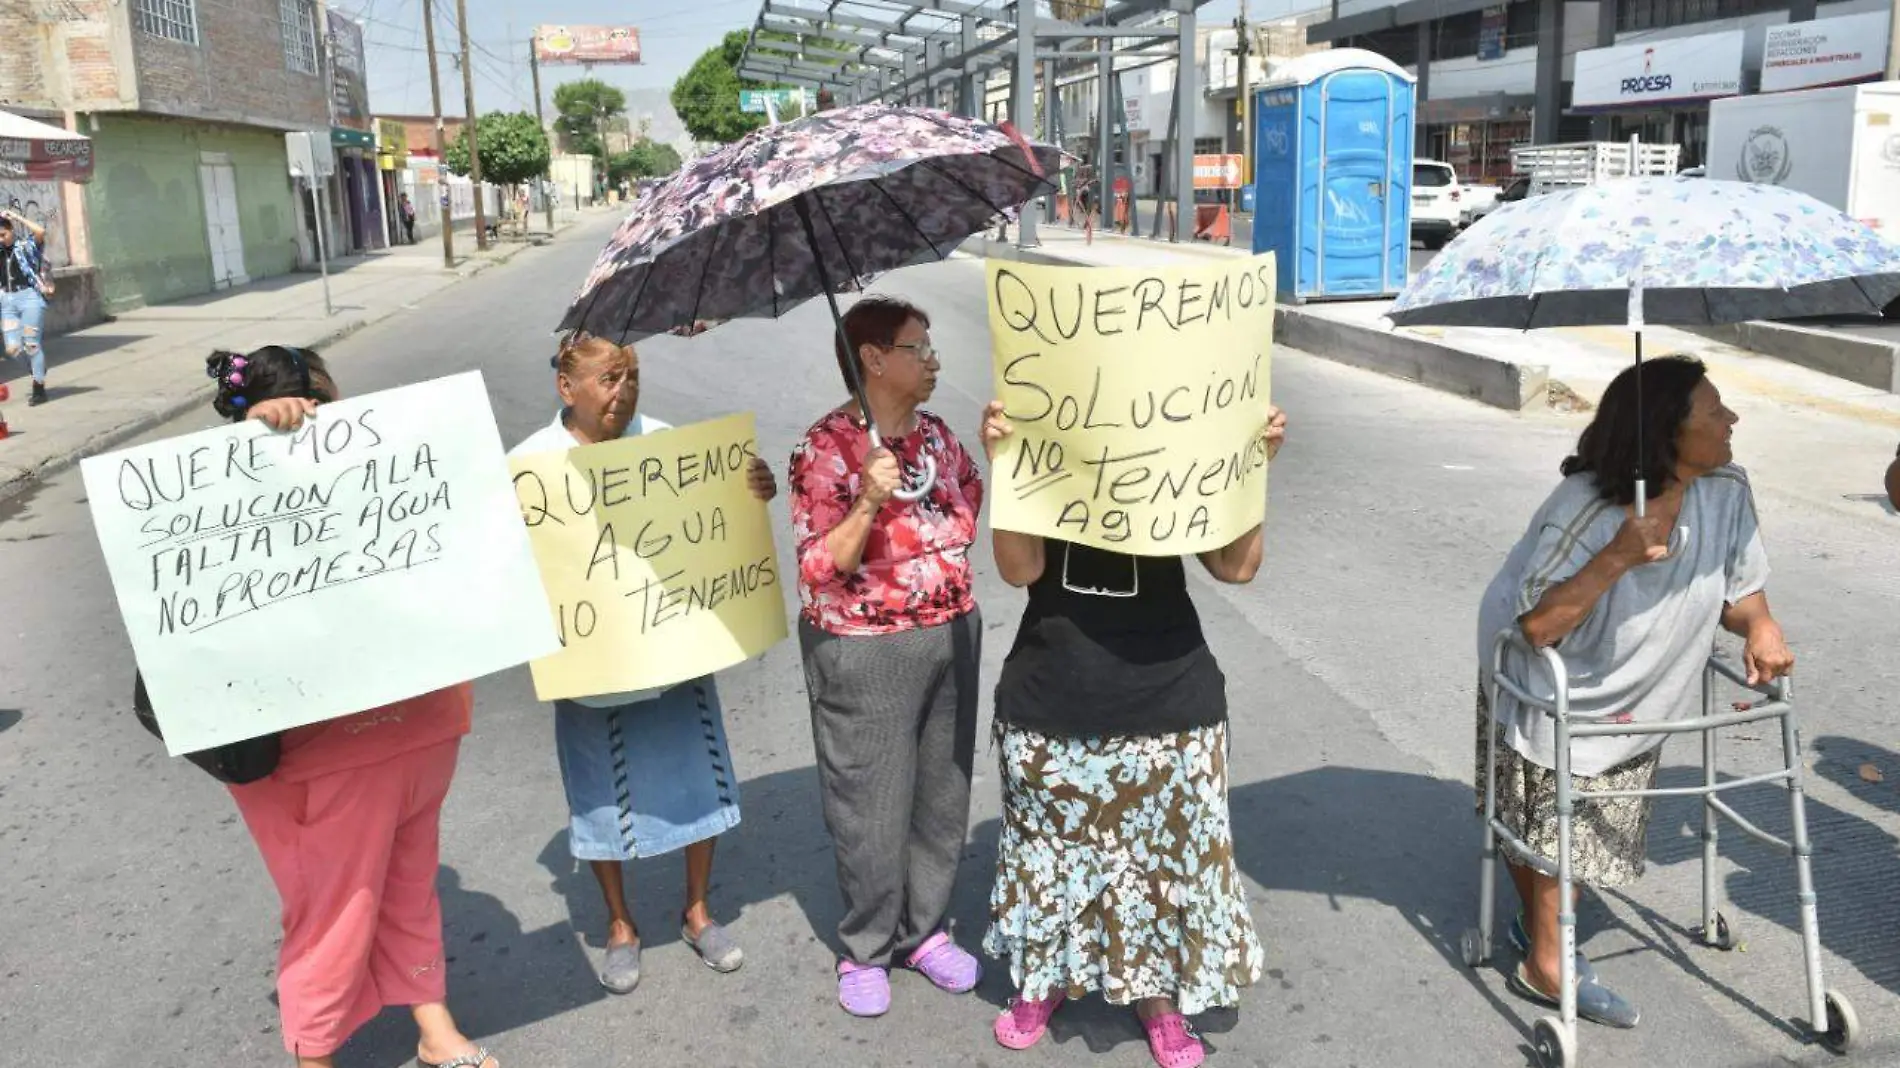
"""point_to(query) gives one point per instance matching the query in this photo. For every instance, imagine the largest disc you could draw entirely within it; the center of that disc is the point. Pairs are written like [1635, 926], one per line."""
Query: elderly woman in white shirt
[645, 773]
[1633, 606]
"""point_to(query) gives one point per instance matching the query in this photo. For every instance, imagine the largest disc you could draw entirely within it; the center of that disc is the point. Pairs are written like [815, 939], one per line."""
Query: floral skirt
[1115, 872]
[1609, 838]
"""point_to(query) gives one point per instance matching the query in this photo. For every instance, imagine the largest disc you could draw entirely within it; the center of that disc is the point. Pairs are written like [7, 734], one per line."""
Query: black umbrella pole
[853, 380]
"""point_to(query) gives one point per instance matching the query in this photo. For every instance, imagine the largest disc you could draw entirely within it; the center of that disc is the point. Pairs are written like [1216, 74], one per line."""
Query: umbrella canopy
[877, 186]
[1698, 252]
[37, 152]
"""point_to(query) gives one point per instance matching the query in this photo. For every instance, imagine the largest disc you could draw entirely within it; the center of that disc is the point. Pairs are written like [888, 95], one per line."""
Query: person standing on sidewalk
[408, 211]
[1115, 868]
[891, 637]
[1633, 605]
[24, 290]
[349, 822]
[645, 773]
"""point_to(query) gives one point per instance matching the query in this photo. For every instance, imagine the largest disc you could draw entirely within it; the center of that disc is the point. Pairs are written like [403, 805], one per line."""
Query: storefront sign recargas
[1656, 72]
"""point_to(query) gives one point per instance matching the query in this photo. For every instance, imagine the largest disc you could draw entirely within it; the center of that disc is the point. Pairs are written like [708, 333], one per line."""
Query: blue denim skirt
[646, 778]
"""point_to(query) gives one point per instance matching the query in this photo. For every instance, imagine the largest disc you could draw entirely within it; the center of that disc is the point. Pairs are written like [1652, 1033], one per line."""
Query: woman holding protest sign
[891, 636]
[1115, 870]
[349, 822]
[645, 773]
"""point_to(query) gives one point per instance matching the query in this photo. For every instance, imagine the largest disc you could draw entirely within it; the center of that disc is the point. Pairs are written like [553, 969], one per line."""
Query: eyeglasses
[924, 350]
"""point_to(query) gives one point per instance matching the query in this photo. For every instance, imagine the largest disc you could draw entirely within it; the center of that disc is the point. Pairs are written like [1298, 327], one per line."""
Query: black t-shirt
[1110, 646]
[12, 275]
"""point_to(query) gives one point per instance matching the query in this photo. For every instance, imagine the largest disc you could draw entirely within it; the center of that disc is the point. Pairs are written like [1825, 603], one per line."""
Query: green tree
[514, 148]
[585, 107]
[646, 159]
[707, 95]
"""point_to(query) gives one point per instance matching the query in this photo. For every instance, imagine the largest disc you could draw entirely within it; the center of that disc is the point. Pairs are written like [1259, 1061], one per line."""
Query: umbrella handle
[1642, 498]
[924, 484]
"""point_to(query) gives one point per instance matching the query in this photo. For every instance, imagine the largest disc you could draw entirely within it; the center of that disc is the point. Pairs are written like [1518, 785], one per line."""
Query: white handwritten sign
[273, 580]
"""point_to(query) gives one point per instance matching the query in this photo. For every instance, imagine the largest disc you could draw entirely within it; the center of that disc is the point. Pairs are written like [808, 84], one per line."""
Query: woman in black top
[1115, 871]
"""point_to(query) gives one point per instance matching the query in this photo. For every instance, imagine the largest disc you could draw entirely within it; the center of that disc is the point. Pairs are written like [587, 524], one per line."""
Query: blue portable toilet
[1333, 175]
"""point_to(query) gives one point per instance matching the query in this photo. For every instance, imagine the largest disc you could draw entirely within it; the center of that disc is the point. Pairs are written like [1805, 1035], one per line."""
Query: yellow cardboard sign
[1139, 398]
[657, 559]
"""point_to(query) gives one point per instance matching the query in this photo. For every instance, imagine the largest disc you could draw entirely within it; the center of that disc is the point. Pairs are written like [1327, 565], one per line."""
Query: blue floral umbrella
[1654, 251]
[1699, 252]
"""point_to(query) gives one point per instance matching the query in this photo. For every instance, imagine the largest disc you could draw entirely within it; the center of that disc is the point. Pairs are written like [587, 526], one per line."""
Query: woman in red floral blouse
[891, 637]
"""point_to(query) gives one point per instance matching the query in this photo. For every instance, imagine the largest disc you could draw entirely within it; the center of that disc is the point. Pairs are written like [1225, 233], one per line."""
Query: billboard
[587, 44]
[1806, 55]
[349, 74]
[1216, 171]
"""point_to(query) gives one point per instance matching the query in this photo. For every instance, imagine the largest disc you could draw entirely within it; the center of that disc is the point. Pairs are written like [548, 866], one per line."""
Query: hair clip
[238, 401]
[235, 379]
[238, 363]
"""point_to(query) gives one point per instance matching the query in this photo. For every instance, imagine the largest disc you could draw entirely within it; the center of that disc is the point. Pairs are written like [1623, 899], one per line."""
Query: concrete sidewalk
[1838, 434]
[111, 382]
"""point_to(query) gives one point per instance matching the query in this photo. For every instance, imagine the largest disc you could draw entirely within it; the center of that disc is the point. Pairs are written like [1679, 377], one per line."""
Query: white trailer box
[1840, 146]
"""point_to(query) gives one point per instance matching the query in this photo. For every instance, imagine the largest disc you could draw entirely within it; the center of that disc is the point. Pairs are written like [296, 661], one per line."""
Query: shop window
[172, 20]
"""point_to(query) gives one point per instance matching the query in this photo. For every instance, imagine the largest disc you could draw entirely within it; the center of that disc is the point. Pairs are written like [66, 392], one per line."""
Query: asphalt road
[137, 926]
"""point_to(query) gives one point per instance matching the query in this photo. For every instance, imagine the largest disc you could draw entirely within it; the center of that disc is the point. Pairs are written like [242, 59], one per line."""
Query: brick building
[187, 103]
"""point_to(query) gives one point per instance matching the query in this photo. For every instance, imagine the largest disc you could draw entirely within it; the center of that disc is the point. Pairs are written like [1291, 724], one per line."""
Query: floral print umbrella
[1697, 252]
[1654, 251]
[881, 186]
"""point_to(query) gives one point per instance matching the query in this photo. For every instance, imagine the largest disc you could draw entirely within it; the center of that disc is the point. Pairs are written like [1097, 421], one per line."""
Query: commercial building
[187, 103]
[1492, 75]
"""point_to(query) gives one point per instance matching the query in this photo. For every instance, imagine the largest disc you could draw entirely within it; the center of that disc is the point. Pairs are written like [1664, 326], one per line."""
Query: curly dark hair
[1607, 449]
[268, 373]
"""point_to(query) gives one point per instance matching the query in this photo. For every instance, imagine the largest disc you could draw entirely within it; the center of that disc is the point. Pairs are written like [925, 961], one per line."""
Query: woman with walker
[1631, 599]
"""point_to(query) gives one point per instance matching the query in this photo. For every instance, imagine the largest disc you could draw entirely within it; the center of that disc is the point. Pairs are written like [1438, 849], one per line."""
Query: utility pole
[547, 187]
[441, 145]
[474, 151]
[1245, 40]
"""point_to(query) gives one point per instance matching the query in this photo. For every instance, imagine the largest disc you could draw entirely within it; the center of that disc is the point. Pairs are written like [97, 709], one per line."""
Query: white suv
[1438, 208]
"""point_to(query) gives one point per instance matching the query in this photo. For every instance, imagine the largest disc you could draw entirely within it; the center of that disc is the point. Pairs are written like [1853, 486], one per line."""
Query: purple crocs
[864, 989]
[946, 964]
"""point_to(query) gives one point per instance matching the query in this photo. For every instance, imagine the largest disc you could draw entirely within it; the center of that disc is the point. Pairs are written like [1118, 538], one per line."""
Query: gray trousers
[893, 718]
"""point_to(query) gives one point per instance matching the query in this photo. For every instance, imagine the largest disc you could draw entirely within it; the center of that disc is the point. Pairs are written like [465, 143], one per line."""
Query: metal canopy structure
[951, 54]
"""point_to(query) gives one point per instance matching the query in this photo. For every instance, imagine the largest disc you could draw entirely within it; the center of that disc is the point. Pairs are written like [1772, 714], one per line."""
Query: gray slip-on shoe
[716, 947]
[620, 973]
[1595, 1002]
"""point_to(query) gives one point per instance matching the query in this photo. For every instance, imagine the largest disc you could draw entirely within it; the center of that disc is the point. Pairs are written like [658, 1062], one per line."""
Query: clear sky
[673, 33]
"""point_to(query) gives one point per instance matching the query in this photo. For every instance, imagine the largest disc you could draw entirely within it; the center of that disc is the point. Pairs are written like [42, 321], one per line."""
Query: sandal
[864, 989]
[1023, 1024]
[477, 1059]
[1172, 1041]
[947, 965]
[1595, 1002]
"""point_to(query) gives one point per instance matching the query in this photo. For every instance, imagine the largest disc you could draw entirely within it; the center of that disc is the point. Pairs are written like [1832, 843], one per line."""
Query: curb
[18, 480]
[15, 481]
[1435, 365]
[1862, 361]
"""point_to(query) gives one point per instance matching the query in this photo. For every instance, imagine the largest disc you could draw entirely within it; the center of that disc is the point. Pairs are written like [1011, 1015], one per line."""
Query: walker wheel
[1721, 938]
[1472, 944]
[1551, 1039]
[1843, 1027]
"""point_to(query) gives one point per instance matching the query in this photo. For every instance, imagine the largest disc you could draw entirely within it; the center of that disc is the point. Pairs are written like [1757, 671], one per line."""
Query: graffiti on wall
[42, 203]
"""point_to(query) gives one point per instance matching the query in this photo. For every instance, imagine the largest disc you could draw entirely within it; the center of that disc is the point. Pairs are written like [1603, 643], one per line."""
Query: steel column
[1023, 87]
[1187, 92]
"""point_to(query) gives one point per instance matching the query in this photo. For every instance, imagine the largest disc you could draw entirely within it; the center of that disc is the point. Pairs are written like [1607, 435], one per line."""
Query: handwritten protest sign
[658, 561]
[273, 580]
[1139, 399]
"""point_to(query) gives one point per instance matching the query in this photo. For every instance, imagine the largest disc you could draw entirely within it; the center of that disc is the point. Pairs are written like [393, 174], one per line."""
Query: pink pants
[354, 856]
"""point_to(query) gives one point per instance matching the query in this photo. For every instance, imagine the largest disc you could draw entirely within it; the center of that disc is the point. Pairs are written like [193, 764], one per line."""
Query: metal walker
[1555, 1037]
